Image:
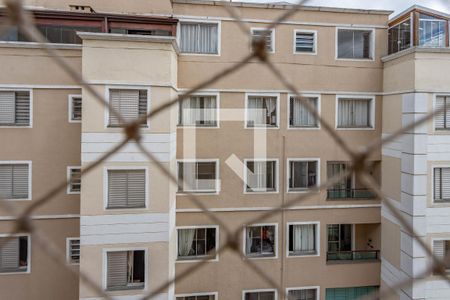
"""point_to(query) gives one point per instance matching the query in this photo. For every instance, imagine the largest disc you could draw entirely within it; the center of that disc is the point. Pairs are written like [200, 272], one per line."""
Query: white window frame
[214, 259]
[219, 36]
[245, 241]
[108, 89]
[372, 120]
[68, 256]
[215, 294]
[319, 111]
[272, 36]
[124, 168]
[277, 171]
[317, 225]
[433, 239]
[31, 105]
[315, 52]
[28, 271]
[259, 291]
[288, 171]
[435, 166]
[69, 109]
[218, 183]
[213, 94]
[30, 176]
[69, 169]
[277, 96]
[372, 44]
[317, 288]
[440, 131]
[105, 266]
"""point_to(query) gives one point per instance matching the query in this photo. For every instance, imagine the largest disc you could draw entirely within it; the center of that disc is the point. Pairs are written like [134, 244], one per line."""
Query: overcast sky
[395, 5]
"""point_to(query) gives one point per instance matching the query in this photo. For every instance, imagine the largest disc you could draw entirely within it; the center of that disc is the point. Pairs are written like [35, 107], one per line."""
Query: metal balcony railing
[356, 255]
[350, 194]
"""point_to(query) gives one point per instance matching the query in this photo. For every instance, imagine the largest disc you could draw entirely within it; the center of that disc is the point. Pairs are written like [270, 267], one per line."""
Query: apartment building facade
[244, 146]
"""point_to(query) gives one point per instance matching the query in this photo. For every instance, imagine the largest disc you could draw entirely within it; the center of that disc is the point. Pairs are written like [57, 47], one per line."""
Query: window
[354, 44]
[200, 111]
[262, 111]
[302, 175]
[442, 119]
[74, 108]
[14, 256]
[351, 293]
[197, 297]
[199, 38]
[130, 104]
[73, 251]
[15, 181]
[432, 31]
[355, 113]
[15, 108]
[302, 239]
[196, 242]
[441, 250]
[299, 115]
[126, 188]
[74, 180]
[339, 237]
[264, 34]
[260, 295]
[305, 42]
[441, 185]
[400, 37]
[125, 270]
[261, 176]
[64, 34]
[200, 177]
[260, 241]
[303, 294]
[153, 32]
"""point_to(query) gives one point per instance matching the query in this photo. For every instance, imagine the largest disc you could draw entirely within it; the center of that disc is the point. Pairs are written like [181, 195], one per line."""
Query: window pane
[199, 38]
[300, 116]
[354, 113]
[262, 111]
[432, 31]
[303, 239]
[196, 242]
[304, 42]
[354, 44]
[308, 294]
[261, 176]
[198, 111]
[267, 35]
[260, 240]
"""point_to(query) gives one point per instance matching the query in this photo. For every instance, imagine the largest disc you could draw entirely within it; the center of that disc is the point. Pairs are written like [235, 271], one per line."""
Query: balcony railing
[350, 194]
[357, 255]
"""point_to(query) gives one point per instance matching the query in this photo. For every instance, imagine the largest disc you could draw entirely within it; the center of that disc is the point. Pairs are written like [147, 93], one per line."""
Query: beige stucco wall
[391, 177]
[390, 246]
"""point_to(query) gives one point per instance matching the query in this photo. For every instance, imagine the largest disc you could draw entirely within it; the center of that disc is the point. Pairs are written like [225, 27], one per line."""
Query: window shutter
[263, 34]
[74, 251]
[136, 189]
[126, 188]
[75, 180]
[439, 119]
[14, 181]
[442, 184]
[439, 249]
[7, 108]
[142, 103]
[9, 260]
[76, 109]
[304, 42]
[117, 269]
[437, 183]
[22, 108]
[126, 103]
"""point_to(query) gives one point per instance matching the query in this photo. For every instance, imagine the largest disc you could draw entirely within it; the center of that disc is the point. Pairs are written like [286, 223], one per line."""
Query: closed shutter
[439, 249]
[22, 108]
[263, 34]
[74, 251]
[7, 108]
[14, 181]
[439, 118]
[126, 188]
[304, 42]
[117, 269]
[76, 109]
[142, 103]
[75, 180]
[126, 103]
[442, 184]
[9, 255]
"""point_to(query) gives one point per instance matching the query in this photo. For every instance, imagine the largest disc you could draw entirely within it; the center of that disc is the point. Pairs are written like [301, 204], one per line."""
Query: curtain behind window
[199, 38]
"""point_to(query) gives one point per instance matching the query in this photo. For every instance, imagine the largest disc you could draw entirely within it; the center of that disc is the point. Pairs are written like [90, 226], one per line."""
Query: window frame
[30, 91]
[314, 32]
[260, 291]
[212, 94]
[126, 168]
[246, 119]
[215, 294]
[372, 50]
[445, 239]
[244, 244]
[411, 32]
[30, 176]
[217, 180]
[372, 108]
[319, 111]
[69, 109]
[441, 130]
[28, 271]
[433, 202]
[317, 238]
[288, 173]
[202, 257]
[108, 89]
[277, 175]
[105, 266]
[69, 169]
[272, 36]
[68, 252]
[316, 287]
[193, 20]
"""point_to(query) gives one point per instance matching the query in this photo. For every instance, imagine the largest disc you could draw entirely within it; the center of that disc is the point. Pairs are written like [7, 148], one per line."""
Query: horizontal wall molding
[41, 86]
[42, 217]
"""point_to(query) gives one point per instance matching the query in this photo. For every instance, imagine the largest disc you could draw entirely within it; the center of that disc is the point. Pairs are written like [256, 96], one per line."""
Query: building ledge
[414, 50]
[32, 45]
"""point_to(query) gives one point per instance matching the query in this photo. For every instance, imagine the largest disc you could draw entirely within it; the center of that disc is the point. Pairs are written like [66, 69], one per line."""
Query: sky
[396, 5]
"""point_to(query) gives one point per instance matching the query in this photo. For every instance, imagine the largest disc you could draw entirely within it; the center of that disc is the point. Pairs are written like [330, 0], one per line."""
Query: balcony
[357, 255]
[362, 194]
